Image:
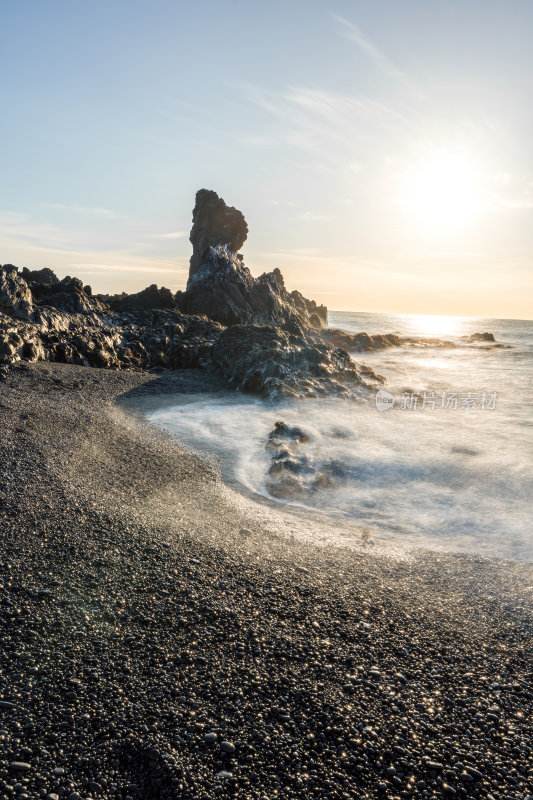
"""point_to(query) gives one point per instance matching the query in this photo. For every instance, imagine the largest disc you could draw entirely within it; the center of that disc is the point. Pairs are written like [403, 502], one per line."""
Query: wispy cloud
[310, 216]
[513, 192]
[88, 268]
[105, 213]
[26, 242]
[20, 228]
[355, 34]
[173, 235]
[256, 141]
[380, 59]
[337, 130]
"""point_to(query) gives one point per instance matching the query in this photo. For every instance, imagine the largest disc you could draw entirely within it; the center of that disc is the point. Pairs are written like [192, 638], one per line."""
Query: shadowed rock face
[214, 223]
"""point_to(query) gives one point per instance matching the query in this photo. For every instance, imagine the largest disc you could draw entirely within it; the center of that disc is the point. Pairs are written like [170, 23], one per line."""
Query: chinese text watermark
[422, 401]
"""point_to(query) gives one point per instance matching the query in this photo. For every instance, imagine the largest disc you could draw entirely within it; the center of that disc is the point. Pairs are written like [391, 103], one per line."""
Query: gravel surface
[164, 638]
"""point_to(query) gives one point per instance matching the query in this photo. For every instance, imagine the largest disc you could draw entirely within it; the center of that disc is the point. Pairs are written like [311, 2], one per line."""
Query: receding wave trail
[449, 470]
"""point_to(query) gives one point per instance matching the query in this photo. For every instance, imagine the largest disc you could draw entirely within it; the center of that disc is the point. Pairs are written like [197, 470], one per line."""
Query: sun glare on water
[443, 192]
[435, 325]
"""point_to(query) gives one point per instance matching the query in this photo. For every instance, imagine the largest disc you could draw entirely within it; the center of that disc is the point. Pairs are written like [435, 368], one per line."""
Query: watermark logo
[451, 401]
[384, 400]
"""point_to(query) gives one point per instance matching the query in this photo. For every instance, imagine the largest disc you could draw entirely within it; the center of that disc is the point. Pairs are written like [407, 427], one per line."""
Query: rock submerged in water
[292, 474]
[360, 342]
[481, 337]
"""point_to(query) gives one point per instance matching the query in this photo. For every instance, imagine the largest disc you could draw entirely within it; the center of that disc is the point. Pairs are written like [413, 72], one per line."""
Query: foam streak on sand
[159, 639]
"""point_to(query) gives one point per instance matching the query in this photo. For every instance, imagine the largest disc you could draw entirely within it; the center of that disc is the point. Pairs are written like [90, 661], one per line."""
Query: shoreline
[156, 607]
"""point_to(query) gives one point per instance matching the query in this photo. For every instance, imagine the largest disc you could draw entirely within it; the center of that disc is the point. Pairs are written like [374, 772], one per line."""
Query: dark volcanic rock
[214, 223]
[272, 345]
[283, 432]
[67, 295]
[223, 288]
[363, 342]
[360, 342]
[311, 308]
[44, 276]
[149, 298]
[70, 325]
[285, 361]
[481, 337]
[293, 473]
[15, 295]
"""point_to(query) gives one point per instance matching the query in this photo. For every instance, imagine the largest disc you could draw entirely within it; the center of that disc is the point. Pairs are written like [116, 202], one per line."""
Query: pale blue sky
[314, 118]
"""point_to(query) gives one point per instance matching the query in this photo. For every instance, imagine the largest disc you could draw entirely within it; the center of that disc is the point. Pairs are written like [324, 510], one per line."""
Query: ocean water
[444, 460]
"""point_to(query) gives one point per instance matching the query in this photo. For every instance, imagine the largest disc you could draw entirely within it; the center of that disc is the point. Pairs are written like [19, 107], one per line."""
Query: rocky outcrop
[480, 337]
[359, 342]
[15, 296]
[364, 342]
[44, 276]
[288, 362]
[149, 298]
[223, 288]
[67, 324]
[69, 294]
[214, 223]
[310, 308]
[252, 331]
[140, 341]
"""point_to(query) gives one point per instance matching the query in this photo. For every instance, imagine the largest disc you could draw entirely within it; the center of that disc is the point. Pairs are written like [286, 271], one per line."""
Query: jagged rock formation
[15, 296]
[286, 361]
[149, 298]
[480, 337]
[62, 321]
[364, 342]
[214, 223]
[223, 288]
[93, 335]
[360, 342]
[41, 277]
[67, 295]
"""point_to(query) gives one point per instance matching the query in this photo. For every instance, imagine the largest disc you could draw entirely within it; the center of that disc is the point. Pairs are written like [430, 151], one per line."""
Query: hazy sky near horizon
[381, 152]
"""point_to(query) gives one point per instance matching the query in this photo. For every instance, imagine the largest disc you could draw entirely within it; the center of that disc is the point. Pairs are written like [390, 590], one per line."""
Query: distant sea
[447, 463]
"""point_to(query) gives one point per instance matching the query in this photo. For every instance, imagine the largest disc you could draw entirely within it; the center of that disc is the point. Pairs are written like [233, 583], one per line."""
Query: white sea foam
[447, 478]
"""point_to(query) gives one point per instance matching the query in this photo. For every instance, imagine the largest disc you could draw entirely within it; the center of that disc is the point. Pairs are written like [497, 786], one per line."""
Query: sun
[436, 324]
[443, 192]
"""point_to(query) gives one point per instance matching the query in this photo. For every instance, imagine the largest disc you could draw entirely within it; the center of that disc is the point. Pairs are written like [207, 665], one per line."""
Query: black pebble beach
[160, 641]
